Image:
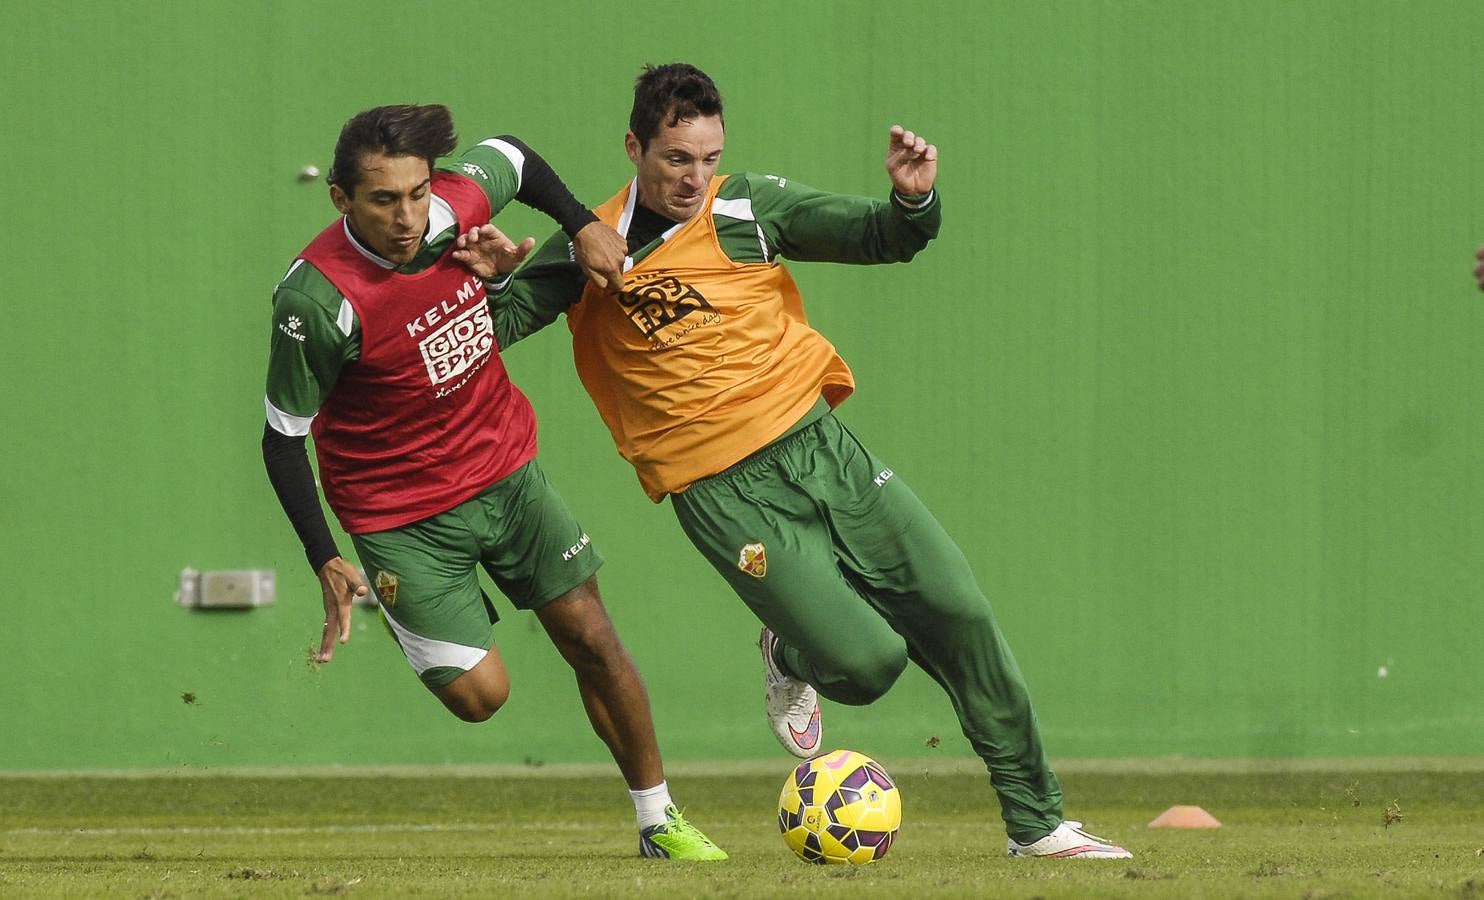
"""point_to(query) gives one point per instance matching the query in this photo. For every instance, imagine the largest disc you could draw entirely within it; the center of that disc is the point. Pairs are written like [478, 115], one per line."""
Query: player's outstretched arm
[1479, 269]
[911, 162]
[340, 583]
[527, 300]
[804, 224]
[307, 350]
[599, 250]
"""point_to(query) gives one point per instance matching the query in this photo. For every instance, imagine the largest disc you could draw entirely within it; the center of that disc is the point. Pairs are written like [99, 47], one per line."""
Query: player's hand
[601, 251]
[1479, 269]
[340, 583]
[911, 162]
[487, 252]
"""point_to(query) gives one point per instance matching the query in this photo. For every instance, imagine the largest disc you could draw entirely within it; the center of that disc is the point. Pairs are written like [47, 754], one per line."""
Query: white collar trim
[627, 217]
[362, 248]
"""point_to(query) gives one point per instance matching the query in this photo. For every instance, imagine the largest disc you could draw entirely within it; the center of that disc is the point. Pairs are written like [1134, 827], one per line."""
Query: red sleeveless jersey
[427, 417]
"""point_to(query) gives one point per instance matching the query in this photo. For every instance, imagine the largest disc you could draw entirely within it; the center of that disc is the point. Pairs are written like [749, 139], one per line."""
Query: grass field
[1313, 831]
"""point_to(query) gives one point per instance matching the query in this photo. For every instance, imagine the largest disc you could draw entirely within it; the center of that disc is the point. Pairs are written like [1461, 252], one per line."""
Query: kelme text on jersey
[469, 290]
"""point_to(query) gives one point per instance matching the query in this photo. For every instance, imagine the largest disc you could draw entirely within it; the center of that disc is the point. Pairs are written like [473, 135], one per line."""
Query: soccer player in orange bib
[717, 390]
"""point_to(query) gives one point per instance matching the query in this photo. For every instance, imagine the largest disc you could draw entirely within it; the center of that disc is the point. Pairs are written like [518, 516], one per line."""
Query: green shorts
[425, 575]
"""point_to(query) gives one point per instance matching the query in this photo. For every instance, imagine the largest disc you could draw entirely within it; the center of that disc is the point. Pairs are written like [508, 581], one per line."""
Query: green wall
[1191, 373]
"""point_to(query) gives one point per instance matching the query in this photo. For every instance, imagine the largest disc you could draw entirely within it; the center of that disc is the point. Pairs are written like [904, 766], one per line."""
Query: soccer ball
[841, 807]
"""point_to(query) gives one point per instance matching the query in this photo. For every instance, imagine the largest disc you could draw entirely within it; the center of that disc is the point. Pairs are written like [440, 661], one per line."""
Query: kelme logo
[291, 328]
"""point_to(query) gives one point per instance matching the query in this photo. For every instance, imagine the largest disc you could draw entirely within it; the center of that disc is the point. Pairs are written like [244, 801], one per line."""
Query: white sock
[650, 803]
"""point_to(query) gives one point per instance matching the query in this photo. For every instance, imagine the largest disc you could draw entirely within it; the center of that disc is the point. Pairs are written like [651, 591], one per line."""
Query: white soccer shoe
[793, 706]
[1068, 841]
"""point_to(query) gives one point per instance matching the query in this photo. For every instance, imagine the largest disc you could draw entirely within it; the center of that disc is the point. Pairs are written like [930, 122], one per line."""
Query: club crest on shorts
[386, 587]
[753, 560]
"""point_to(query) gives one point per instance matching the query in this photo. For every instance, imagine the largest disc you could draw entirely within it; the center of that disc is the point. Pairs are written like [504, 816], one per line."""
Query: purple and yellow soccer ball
[839, 808]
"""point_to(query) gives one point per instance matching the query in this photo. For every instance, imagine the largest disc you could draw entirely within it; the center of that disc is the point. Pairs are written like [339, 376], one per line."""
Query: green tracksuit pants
[823, 541]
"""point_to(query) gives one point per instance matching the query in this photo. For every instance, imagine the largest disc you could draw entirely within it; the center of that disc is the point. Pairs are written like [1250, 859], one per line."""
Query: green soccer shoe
[676, 838]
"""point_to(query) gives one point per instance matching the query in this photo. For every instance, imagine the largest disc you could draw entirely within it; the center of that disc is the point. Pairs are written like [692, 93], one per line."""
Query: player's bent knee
[870, 676]
[476, 706]
[477, 694]
[476, 712]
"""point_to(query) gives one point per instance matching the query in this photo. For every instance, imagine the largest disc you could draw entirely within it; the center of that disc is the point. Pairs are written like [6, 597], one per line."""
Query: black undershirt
[287, 462]
[645, 226]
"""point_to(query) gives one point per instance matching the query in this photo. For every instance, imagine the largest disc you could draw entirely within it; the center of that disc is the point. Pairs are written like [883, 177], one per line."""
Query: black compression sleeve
[293, 481]
[541, 188]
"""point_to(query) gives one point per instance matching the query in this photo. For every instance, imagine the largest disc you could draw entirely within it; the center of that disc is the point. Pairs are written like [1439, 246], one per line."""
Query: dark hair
[404, 130]
[670, 93]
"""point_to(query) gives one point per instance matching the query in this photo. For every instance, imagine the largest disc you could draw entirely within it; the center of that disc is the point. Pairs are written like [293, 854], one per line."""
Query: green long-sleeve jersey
[783, 219]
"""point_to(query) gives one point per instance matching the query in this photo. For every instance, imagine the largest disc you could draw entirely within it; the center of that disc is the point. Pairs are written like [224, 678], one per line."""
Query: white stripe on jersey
[425, 653]
[512, 153]
[346, 320]
[297, 263]
[740, 208]
[285, 424]
[440, 218]
[627, 216]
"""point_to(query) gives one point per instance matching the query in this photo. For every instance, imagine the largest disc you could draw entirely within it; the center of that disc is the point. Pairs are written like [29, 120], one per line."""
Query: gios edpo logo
[660, 303]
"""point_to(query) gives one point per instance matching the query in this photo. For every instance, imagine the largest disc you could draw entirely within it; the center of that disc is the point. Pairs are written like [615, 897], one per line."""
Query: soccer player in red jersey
[385, 349]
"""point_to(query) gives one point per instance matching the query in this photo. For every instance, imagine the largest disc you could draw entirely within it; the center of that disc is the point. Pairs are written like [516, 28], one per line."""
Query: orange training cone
[1185, 817]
